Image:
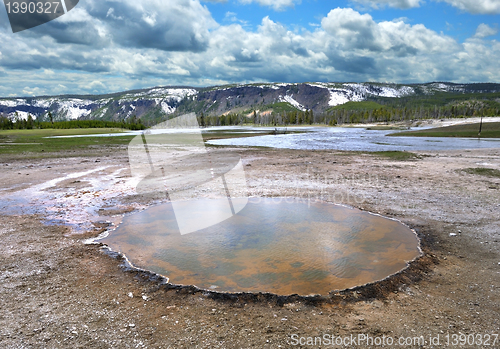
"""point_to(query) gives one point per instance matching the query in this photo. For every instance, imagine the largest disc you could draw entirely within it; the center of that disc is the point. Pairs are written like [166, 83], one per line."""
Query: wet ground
[56, 292]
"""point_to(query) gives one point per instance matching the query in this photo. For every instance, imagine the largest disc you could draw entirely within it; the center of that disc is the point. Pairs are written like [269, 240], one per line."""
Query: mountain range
[159, 103]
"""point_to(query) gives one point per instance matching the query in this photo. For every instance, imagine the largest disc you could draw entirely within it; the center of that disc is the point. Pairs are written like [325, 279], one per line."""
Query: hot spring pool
[283, 246]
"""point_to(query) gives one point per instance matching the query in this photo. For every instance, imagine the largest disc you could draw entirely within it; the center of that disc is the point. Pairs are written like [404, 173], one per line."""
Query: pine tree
[202, 120]
[29, 123]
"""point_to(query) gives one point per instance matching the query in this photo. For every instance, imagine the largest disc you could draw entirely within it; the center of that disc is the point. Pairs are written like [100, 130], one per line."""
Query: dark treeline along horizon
[340, 116]
[31, 123]
[333, 117]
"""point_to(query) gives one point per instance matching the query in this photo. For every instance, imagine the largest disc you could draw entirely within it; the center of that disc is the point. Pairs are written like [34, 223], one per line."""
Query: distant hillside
[267, 100]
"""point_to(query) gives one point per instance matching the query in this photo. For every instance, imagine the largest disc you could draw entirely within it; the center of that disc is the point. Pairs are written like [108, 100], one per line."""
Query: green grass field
[482, 171]
[396, 155]
[489, 130]
[36, 144]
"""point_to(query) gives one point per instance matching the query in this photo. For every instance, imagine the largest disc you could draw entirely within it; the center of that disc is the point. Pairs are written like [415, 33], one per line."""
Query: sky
[104, 46]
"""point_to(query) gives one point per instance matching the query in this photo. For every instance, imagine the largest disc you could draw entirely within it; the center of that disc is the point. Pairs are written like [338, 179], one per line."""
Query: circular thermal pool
[279, 245]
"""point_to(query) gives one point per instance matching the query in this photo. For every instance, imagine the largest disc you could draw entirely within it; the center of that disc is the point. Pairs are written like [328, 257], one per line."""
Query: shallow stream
[358, 139]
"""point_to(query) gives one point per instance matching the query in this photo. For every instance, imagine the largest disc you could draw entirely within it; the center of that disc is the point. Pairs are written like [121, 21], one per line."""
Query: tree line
[31, 123]
[334, 116]
[263, 119]
[339, 116]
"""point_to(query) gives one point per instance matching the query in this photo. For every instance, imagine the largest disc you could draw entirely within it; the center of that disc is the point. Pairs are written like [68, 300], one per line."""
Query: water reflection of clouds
[285, 251]
[178, 165]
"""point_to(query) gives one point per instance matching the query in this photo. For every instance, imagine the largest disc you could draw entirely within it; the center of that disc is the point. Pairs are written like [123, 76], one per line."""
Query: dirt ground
[57, 292]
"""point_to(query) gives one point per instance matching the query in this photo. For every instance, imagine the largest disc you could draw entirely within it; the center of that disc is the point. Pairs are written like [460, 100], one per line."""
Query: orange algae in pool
[278, 245]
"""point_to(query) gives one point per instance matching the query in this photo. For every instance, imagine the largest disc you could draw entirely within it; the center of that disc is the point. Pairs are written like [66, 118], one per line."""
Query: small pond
[279, 245]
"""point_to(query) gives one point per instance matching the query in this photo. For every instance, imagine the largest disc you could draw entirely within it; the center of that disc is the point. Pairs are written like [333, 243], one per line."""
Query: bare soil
[57, 292]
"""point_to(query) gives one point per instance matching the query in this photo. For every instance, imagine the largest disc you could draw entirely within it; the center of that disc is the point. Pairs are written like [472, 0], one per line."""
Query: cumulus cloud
[351, 30]
[181, 25]
[484, 30]
[348, 46]
[278, 5]
[476, 6]
[401, 4]
[472, 6]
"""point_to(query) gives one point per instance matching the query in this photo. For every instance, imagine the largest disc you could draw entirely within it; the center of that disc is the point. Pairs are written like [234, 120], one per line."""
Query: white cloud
[477, 57]
[472, 6]
[484, 30]
[402, 4]
[31, 91]
[476, 6]
[231, 16]
[149, 19]
[97, 85]
[351, 30]
[181, 25]
[278, 5]
[78, 14]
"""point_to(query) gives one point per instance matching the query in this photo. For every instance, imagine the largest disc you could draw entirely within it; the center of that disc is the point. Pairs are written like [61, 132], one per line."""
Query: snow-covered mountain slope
[110, 107]
[158, 102]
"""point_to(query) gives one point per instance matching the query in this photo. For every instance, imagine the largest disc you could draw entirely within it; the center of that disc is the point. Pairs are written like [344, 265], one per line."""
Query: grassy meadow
[489, 130]
[35, 143]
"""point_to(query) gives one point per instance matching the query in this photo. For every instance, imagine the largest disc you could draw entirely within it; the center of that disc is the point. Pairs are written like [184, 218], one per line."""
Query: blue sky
[106, 46]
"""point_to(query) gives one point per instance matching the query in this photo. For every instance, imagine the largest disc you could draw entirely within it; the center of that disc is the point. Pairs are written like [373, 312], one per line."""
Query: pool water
[278, 245]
